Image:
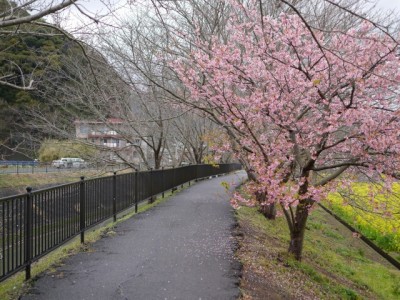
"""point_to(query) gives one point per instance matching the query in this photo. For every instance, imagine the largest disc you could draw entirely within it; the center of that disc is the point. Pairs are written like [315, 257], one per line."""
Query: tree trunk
[299, 227]
[268, 210]
[157, 160]
[196, 155]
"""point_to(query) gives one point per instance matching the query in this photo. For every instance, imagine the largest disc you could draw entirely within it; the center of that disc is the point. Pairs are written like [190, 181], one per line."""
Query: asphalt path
[180, 249]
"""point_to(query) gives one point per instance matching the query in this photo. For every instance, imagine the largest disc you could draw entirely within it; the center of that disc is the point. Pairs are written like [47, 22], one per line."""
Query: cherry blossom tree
[311, 107]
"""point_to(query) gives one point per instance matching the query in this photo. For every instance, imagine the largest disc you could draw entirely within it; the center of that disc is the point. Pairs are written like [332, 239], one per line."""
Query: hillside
[30, 55]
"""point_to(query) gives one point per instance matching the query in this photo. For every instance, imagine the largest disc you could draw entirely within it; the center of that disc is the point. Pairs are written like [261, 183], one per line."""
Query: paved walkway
[180, 249]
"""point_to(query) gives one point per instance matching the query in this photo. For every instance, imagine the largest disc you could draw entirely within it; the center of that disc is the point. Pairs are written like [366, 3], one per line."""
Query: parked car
[79, 163]
[69, 162]
[60, 163]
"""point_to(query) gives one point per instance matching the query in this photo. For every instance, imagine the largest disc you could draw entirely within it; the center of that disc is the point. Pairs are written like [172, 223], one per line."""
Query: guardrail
[37, 222]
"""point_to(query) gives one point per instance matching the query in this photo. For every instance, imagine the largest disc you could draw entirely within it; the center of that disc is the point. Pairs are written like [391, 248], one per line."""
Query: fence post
[151, 186]
[182, 168]
[189, 169]
[174, 181]
[82, 209]
[28, 233]
[136, 191]
[163, 181]
[115, 196]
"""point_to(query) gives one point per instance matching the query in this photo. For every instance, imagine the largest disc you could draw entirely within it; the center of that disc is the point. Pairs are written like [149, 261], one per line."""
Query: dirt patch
[260, 276]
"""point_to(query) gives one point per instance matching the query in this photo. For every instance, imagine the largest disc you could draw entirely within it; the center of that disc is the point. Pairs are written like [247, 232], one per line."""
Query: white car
[60, 163]
[69, 162]
[79, 163]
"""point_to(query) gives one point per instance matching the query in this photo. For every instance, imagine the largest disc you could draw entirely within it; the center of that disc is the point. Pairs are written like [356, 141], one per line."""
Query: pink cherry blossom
[308, 109]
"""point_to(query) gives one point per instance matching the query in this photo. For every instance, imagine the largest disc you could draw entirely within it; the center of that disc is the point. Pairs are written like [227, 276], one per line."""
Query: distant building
[101, 133]
[109, 134]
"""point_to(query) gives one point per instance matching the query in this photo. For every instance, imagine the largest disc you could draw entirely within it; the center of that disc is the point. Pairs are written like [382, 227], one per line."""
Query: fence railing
[18, 162]
[366, 240]
[34, 167]
[35, 223]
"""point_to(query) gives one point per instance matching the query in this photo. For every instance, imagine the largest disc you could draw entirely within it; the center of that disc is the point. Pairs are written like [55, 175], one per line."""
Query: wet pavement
[180, 249]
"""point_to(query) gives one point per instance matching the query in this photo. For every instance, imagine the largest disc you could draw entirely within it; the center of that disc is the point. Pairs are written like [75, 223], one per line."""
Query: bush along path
[180, 249]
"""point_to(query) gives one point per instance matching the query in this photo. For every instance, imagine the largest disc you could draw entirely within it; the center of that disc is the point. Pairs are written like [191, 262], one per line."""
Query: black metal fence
[35, 223]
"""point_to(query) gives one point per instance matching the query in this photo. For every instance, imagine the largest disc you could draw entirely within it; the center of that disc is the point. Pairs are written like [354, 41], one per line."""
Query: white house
[110, 134]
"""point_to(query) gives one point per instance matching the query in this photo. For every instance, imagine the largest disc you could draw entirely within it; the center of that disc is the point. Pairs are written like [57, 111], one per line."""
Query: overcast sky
[387, 4]
[390, 4]
[96, 7]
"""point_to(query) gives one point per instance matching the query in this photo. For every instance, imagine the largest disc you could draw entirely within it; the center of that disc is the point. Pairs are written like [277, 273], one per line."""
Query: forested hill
[27, 53]
[26, 57]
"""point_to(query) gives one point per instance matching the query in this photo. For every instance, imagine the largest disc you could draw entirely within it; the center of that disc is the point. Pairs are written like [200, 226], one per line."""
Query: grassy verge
[372, 211]
[335, 265]
[13, 184]
[19, 182]
[15, 286]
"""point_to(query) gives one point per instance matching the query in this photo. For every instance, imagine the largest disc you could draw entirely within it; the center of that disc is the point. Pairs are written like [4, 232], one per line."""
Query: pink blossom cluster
[306, 106]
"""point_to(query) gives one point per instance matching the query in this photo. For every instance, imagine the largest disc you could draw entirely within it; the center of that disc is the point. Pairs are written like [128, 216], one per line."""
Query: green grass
[16, 285]
[21, 181]
[334, 266]
[372, 211]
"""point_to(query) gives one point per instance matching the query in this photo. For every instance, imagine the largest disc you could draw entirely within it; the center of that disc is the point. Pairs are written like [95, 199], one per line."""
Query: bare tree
[130, 122]
[15, 12]
[193, 130]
